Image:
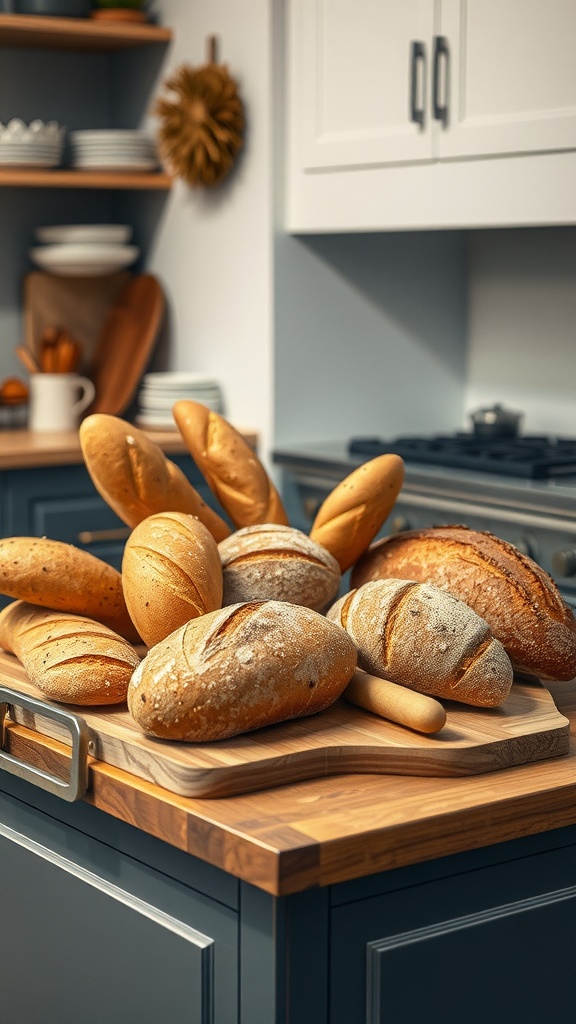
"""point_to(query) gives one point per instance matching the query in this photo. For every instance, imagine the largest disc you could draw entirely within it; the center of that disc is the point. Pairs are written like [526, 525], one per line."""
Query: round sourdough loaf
[277, 563]
[70, 658]
[520, 602]
[171, 573]
[424, 638]
[238, 669]
[56, 575]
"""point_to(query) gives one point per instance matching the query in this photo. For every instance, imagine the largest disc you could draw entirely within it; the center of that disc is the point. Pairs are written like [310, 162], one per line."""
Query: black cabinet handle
[417, 54]
[441, 54]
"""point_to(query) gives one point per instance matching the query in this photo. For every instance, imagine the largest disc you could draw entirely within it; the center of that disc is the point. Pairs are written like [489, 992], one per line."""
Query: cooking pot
[496, 421]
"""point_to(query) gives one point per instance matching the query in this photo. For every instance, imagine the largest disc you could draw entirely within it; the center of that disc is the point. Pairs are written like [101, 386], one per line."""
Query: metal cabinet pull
[75, 788]
[441, 56]
[417, 56]
[95, 536]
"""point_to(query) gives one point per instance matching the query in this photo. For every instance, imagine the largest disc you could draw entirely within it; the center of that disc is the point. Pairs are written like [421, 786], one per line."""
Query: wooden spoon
[27, 359]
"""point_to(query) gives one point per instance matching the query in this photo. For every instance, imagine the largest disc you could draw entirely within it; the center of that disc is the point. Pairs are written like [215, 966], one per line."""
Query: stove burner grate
[536, 458]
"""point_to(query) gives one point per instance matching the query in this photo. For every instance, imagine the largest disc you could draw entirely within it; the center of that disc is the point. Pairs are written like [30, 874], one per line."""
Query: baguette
[70, 658]
[171, 573]
[134, 477]
[520, 601]
[353, 513]
[229, 465]
[56, 575]
[277, 563]
[240, 668]
[424, 638]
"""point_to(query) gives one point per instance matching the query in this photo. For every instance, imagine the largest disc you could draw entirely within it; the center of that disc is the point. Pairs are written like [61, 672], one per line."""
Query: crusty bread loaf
[238, 669]
[424, 638]
[229, 465]
[56, 575]
[520, 602]
[70, 658]
[134, 476]
[277, 563]
[171, 573]
[353, 513]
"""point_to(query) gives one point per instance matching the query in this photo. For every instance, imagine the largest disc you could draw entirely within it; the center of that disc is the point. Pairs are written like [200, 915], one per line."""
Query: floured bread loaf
[277, 563]
[519, 601]
[70, 658]
[171, 573]
[238, 669]
[134, 477]
[56, 575]
[424, 638]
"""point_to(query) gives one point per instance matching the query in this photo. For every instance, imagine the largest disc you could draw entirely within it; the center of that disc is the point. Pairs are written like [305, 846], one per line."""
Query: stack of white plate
[84, 250]
[113, 150]
[159, 392]
[34, 145]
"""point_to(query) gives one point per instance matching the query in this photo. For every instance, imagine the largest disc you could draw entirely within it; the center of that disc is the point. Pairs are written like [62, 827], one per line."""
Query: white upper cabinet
[394, 106]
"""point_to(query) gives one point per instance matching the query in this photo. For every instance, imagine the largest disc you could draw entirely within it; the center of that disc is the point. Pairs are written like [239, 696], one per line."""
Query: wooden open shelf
[25, 178]
[45, 32]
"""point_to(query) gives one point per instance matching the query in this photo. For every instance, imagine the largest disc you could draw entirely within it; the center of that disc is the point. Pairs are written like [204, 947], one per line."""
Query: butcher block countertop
[330, 829]
[22, 449]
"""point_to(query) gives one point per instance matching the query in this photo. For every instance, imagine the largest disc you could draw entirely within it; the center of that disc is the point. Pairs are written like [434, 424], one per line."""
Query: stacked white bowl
[38, 144]
[159, 392]
[113, 149]
[84, 250]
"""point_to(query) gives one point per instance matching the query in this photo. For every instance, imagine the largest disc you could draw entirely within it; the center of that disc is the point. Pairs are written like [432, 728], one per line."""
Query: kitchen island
[344, 899]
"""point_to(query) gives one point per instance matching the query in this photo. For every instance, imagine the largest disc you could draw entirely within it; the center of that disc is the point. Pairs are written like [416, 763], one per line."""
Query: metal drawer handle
[75, 788]
[441, 53]
[417, 57]
[93, 536]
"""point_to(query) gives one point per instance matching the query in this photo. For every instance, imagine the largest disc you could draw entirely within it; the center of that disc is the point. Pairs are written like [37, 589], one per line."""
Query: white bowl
[118, 233]
[35, 132]
[84, 260]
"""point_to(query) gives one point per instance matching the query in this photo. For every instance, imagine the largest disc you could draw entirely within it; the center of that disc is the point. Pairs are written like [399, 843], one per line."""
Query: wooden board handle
[396, 703]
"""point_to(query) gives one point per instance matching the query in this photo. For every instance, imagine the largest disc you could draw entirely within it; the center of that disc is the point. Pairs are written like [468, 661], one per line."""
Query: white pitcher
[57, 400]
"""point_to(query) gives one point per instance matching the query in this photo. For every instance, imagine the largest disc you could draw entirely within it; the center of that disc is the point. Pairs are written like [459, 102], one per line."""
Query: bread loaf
[520, 602]
[424, 638]
[70, 658]
[171, 573]
[134, 476]
[238, 669]
[353, 513]
[229, 465]
[61, 576]
[277, 563]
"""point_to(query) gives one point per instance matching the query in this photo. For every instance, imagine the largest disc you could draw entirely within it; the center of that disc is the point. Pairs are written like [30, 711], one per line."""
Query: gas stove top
[535, 458]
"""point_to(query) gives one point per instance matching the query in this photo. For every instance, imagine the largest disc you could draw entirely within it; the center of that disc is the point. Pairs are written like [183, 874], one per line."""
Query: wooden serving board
[343, 739]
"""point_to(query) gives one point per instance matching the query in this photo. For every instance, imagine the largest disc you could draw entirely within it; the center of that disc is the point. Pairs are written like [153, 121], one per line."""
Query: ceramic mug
[57, 401]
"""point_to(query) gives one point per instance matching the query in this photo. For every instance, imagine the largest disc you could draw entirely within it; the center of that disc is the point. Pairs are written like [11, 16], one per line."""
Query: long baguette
[70, 658]
[134, 476]
[396, 703]
[229, 465]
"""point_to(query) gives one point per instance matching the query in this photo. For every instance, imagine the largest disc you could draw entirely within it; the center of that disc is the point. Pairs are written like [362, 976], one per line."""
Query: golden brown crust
[520, 602]
[424, 638]
[134, 476]
[56, 575]
[70, 658]
[171, 573]
[238, 669]
[271, 562]
[229, 465]
[353, 513]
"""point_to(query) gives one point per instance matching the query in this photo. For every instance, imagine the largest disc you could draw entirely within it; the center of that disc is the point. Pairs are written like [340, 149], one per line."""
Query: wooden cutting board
[342, 739]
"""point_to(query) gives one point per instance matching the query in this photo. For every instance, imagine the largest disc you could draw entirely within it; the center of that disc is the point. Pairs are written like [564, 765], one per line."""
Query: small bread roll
[424, 638]
[277, 563]
[171, 573]
[238, 669]
[229, 465]
[70, 658]
[353, 513]
[56, 575]
[134, 477]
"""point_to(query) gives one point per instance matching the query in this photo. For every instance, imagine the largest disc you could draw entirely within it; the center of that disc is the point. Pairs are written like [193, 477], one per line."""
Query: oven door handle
[505, 515]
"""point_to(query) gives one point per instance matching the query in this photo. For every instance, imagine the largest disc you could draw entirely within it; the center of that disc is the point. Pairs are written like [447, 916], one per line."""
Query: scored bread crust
[280, 563]
[53, 574]
[229, 465]
[520, 601]
[70, 658]
[425, 639]
[354, 511]
[171, 573]
[134, 477]
[238, 669]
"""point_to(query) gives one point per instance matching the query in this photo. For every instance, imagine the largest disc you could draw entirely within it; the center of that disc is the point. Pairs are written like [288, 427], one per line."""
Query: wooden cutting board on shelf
[343, 739]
